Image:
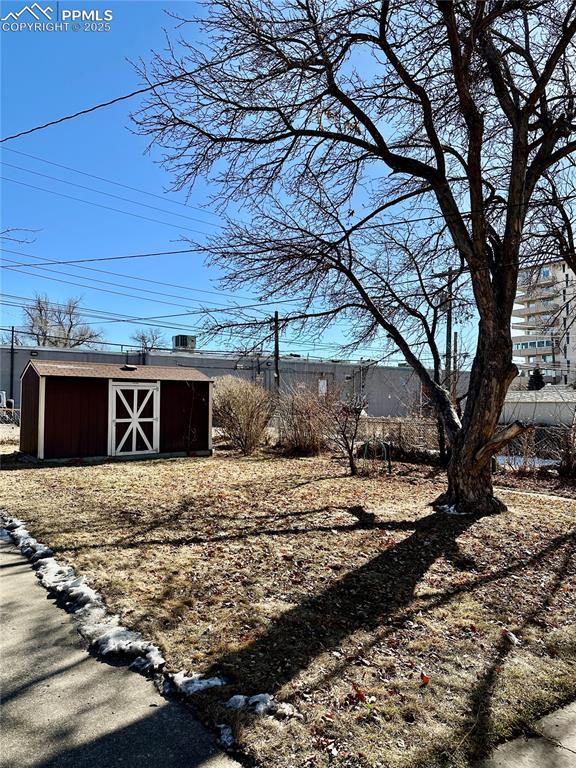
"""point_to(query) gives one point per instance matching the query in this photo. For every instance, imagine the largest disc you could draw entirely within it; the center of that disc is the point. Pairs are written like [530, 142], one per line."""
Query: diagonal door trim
[133, 419]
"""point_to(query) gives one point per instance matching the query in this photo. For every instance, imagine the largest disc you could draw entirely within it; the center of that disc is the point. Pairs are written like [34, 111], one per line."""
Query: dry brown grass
[255, 568]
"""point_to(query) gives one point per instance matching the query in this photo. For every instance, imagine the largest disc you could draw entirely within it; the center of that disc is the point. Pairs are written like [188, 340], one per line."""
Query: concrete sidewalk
[64, 709]
[556, 748]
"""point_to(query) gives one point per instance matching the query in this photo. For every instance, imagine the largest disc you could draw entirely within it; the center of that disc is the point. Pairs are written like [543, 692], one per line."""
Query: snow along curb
[103, 631]
[106, 636]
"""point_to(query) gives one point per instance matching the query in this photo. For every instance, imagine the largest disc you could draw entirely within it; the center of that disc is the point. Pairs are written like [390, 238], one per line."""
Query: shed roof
[545, 395]
[113, 371]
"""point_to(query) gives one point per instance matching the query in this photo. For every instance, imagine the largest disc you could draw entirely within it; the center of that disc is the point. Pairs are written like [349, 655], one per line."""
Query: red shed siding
[76, 417]
[29, 412]
[183, 416]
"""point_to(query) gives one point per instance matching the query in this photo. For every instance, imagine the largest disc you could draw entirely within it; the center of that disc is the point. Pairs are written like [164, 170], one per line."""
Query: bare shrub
[302, 417]
[242, 411]
[345, 416]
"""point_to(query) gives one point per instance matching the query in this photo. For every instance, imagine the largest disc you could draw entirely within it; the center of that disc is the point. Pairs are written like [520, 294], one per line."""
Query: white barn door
[134, 426]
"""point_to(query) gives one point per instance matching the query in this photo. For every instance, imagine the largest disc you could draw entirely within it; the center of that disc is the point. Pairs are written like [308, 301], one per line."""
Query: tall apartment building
[544, 322]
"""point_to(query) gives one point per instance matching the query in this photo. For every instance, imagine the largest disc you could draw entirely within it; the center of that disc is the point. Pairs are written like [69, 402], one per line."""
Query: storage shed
[81, 410]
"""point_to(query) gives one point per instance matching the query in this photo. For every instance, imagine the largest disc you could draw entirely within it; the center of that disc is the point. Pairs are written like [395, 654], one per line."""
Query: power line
[221, 308]
[385, 224]
[101, 315]
[202, 352]
[100, 205]
[104, 258]
[109, 181]
[78, 264]
[109, 194]
[94, 108]
[104, 316]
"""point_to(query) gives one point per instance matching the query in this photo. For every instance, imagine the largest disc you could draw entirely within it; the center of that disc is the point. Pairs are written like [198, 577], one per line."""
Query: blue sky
[45, 75]
[49, 74]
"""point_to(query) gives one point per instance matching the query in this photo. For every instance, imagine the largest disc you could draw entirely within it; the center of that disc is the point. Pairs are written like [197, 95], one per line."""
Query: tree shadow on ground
[243, 532]
[480, 735]
[363, 599]
[380, 593]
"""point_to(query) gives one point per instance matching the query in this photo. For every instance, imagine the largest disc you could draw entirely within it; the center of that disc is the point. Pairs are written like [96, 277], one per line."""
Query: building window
[546, 272]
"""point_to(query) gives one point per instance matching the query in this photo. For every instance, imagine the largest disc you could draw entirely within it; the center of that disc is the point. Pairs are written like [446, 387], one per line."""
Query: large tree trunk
[470, 489]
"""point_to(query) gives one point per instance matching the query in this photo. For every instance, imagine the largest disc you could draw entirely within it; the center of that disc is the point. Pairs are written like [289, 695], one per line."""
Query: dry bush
[303, 422]
[242, 411]
[345, 417]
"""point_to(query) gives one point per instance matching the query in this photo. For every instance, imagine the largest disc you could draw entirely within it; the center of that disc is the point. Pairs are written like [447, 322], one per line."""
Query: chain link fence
[551, 447]
[10, 416]
[545, 446]
[404, 434]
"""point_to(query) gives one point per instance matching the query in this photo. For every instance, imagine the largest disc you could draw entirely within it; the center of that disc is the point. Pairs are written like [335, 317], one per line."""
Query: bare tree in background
[451, 111]
[52, 324]
[149, 338]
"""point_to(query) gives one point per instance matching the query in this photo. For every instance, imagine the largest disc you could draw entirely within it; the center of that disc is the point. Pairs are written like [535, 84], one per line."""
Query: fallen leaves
[375, 637]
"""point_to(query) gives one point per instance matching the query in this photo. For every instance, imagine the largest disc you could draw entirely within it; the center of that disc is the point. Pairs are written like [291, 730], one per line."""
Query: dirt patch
[390, 641]
[9, 436]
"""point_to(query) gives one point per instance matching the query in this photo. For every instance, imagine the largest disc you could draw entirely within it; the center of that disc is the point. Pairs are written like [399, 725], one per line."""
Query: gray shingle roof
[113, 371]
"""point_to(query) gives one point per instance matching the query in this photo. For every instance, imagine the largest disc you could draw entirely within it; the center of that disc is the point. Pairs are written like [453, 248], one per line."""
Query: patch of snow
[226, 736]
[237, 702]
[11, 523]
[195, 683]
[105, 635]
[260, 704]
[450, 509]
[101, 630]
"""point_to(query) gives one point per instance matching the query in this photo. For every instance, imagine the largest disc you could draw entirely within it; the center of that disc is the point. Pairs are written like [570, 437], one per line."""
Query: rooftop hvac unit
[184, 342]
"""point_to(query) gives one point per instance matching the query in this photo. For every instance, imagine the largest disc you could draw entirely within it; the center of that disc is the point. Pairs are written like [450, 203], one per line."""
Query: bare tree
[149, 338]
[53, 324]
[345, 417]
[446, 111]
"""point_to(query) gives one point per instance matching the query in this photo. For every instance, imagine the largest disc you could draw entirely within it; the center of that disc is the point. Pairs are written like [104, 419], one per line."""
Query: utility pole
[277, 351]
[12, 339]
[453, 389]
[448, 377]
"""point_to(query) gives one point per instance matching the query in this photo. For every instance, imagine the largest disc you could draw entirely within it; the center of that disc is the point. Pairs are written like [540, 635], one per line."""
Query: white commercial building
[543, 318]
